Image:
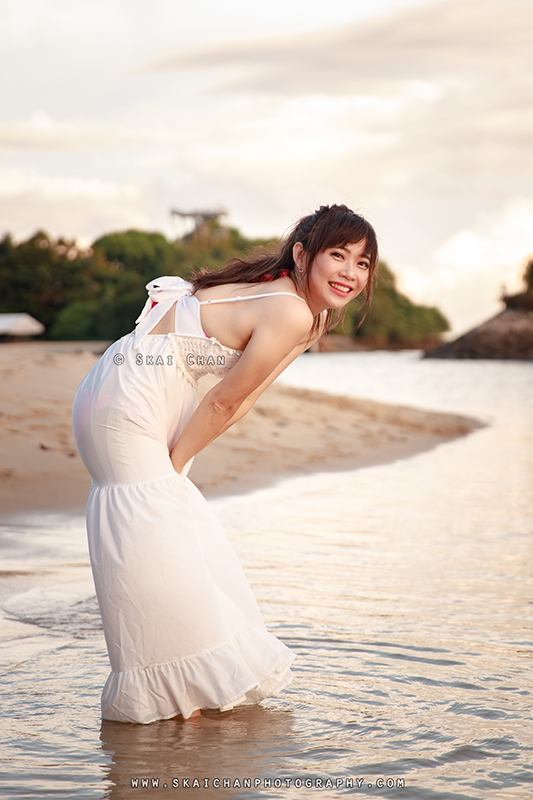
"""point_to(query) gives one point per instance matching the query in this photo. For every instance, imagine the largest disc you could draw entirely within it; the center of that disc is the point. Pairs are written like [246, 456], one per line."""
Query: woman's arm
[298, 350]
[249, 402]
[273, 345]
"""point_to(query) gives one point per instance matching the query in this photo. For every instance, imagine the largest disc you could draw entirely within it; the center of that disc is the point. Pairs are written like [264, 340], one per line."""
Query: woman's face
[336, 276]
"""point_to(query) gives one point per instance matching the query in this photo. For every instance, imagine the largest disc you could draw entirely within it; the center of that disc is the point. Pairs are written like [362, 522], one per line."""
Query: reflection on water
[405, 590]
[206, 753]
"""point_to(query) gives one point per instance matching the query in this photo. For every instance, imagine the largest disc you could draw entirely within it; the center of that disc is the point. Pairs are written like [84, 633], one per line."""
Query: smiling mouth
[340, 287]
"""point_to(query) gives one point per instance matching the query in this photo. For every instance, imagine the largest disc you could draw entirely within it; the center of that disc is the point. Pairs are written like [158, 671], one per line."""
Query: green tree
[528, 276]
[41, 275]
[109, 315]
[148, 254]
[99, 292]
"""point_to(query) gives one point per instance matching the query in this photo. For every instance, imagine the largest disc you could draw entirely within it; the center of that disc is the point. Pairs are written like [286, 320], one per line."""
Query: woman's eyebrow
[345, 247]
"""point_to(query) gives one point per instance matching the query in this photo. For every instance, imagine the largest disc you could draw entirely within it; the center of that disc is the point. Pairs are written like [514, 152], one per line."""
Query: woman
[182, 627]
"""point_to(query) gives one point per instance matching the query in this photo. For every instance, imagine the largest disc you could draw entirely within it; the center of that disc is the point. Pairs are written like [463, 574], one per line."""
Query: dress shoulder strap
[249, 297]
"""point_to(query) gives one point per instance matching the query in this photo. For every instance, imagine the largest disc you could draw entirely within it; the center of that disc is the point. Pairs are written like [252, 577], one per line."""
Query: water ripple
[404, 589]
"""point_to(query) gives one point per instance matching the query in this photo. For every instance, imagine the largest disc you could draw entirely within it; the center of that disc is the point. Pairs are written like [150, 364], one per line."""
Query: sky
[416, 113]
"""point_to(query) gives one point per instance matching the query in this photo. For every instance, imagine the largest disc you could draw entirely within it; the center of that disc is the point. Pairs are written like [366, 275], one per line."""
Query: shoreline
[288, 432]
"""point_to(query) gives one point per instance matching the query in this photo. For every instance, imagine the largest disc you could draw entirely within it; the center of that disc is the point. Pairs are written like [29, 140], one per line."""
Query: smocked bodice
[198, 356]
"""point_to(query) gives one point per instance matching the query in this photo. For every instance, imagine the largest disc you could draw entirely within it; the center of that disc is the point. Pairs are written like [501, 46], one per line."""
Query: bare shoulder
[282, 322]
[291, 307]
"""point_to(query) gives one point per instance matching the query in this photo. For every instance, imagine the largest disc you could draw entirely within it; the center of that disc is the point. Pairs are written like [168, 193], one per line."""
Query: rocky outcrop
[507, 335]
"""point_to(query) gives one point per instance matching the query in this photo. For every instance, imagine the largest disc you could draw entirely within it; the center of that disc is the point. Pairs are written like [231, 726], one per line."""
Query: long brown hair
[330, 226]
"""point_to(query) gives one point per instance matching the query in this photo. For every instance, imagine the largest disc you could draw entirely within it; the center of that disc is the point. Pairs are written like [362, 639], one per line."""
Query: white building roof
[20, 325]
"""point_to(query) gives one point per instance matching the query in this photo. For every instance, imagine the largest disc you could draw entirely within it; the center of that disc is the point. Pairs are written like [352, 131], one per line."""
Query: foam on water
[404, 589]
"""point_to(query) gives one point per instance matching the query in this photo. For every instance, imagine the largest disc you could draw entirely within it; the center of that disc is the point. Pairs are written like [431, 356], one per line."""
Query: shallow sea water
[404, 589]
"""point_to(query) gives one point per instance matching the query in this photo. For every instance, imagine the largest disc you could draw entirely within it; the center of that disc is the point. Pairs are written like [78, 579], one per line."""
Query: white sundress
[182, 627]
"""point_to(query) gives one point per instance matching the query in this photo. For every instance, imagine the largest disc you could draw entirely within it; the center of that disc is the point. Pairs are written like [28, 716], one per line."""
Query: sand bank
[289, 431]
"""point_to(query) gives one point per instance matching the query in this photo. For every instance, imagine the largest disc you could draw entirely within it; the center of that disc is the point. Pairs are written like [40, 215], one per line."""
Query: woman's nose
[348, 269]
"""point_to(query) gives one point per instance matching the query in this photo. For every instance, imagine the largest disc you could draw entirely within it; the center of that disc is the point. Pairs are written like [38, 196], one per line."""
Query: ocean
[405, 590]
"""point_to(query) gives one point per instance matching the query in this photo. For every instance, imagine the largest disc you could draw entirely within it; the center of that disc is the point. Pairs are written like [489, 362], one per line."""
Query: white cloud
[433, 100]
[458, 40]
[468, 273]
[92, 206]
[16, 182]
[497, 247]
[41, 132]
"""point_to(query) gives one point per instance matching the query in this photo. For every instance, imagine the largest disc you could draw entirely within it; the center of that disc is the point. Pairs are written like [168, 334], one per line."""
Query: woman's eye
[364, 264]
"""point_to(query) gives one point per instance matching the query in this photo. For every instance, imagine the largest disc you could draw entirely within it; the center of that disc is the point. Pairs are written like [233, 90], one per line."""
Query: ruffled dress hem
[249, 667]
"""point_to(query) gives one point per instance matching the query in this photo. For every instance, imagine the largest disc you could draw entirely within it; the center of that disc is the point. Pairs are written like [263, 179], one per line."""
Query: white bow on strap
[163, 291]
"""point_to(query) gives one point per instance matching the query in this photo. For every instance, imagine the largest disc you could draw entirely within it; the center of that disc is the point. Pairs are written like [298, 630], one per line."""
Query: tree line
[96, 293]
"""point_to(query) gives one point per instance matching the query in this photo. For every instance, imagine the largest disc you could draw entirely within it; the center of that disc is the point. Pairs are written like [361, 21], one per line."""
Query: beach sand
[289, 431]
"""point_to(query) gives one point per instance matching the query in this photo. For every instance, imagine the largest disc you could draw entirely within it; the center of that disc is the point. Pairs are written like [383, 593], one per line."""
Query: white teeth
[341, 288]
